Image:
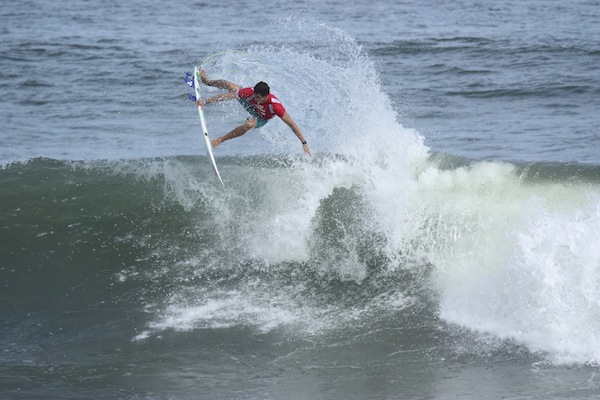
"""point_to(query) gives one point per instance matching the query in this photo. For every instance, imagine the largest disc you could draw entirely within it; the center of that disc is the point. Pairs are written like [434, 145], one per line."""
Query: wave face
[504, 250]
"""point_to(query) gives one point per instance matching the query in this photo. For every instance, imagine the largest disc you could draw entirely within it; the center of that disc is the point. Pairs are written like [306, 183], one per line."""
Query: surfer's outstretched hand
[306, 149]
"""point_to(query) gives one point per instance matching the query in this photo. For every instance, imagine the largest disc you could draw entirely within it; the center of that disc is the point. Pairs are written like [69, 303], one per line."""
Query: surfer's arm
[217, 98]
[290, 122]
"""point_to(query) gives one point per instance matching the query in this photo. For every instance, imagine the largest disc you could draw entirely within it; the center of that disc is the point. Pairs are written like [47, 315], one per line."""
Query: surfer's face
[259, 98]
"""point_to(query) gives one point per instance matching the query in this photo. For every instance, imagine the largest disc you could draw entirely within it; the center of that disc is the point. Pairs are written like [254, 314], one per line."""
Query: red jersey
[267, 110]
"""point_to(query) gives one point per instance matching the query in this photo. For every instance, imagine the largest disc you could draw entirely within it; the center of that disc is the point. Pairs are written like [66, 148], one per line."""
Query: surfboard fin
[189, 79]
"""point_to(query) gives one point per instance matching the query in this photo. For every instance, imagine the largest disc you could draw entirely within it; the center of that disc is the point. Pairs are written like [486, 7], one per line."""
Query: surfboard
[204, 130]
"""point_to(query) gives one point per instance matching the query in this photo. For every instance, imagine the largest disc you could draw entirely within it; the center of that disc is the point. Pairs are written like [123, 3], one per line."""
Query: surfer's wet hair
[261, 88]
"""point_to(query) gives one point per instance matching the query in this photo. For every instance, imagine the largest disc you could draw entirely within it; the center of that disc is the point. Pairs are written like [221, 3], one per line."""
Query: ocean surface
[443, 242]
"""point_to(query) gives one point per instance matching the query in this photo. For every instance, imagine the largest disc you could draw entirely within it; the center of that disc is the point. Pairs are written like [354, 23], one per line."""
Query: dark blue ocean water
[441, 243]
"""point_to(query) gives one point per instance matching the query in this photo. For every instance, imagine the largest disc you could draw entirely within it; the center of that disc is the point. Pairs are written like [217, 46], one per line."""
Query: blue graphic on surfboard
[192, 81]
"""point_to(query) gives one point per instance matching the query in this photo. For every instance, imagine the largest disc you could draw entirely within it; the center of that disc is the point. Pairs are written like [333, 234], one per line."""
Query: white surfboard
[204, 130]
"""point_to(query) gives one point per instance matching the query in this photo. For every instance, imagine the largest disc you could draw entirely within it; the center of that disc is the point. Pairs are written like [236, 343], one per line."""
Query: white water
[513, 259]
[517, 260]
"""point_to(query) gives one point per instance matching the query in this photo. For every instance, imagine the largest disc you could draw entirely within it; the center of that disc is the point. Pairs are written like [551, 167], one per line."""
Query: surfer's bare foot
[204, 77]
[218, 83]
[215, 143]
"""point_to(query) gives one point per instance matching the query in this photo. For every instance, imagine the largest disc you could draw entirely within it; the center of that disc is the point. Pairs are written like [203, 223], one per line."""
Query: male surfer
[258, 101]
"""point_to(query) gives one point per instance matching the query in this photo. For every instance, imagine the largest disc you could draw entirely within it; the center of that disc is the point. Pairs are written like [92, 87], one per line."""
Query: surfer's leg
[239, 131]
[219, 83]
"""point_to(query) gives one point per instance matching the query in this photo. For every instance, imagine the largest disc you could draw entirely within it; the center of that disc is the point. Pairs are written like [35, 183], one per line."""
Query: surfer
[259, 103]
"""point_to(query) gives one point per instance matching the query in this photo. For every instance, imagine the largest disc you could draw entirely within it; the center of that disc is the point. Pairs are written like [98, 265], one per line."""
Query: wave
[373, 229]
[502, 249]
